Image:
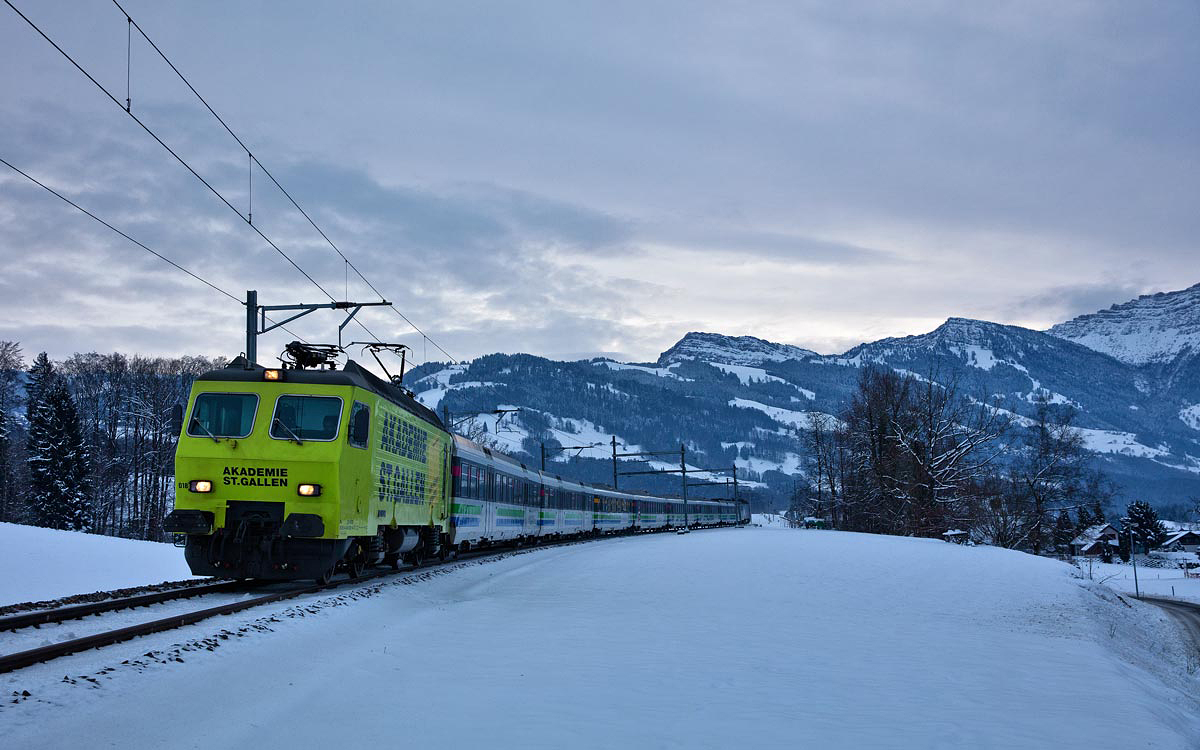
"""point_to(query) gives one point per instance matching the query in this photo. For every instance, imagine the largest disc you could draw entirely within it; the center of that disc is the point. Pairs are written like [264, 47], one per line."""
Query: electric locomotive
[289, 473]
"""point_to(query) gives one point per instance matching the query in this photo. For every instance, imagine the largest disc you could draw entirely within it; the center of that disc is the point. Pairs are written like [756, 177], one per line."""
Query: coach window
[306, 418]
[360, 425]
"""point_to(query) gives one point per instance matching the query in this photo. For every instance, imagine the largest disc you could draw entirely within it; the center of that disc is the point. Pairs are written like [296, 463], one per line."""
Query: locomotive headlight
[200, 485]
[272, 375]
[309, 490]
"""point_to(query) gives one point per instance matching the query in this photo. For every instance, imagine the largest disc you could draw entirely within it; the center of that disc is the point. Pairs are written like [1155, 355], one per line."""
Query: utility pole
[683, 473]
[614, 447]
[1133, 557]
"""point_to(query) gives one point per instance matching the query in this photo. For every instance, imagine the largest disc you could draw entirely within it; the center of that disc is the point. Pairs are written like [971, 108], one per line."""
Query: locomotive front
[280, 475]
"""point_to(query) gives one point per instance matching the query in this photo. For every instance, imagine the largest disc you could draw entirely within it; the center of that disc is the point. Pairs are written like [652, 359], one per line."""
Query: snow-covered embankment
[753, 637]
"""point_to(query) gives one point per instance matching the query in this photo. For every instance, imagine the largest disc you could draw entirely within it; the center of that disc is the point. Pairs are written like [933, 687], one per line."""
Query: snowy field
[46, 564]
[734, 638]
[1163, 582]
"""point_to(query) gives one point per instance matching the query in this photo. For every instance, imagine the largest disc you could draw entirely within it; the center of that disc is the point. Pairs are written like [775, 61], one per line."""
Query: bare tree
[1048, 471]
[950, 443]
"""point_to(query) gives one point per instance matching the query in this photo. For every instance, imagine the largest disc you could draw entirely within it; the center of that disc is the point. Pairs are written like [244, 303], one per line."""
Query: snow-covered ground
[770, 519]
[43, 564]
[757, 637]
[1113, 441]
[785, 416]
[1163, 582]
[662, 372]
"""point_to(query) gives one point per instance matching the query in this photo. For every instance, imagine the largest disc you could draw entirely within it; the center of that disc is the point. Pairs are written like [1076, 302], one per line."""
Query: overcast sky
[571, 179]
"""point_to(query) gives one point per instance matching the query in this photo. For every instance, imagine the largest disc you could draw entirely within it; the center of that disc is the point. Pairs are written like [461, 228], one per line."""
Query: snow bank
[41, 564]
[760, 638]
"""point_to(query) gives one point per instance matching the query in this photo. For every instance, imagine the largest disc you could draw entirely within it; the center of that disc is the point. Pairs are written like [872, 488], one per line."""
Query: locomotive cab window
[306, 418]
[223, 415]
[360, 425]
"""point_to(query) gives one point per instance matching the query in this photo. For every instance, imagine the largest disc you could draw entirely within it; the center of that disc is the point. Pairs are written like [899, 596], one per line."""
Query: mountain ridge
[1150, 329]
[742, 400]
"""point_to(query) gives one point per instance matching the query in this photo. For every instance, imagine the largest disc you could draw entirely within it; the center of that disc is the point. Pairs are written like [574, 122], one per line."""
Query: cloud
[1061, 303]
[605, 177]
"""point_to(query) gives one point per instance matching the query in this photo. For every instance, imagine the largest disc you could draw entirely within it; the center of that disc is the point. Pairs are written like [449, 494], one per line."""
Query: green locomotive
[292, 473]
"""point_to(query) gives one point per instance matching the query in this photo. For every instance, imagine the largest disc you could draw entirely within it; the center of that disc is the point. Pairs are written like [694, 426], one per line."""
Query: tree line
[86, 443]
[914, 456]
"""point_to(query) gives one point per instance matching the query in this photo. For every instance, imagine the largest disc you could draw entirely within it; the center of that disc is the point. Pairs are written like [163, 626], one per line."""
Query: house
[1181, 541]
[1094, 540]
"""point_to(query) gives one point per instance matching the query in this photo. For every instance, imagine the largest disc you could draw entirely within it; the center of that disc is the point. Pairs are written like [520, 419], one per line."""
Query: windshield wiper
[196, 423]
[289, 430]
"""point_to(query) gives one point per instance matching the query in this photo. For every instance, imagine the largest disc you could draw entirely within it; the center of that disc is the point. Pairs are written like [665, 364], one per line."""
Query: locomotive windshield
[306, 418]
[223, 415]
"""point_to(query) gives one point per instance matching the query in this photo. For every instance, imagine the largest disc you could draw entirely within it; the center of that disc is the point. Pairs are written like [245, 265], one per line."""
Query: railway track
[38, 617]
[21, 659]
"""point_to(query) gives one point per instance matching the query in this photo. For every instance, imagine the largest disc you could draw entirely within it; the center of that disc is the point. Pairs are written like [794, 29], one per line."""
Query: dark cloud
[1062, 303]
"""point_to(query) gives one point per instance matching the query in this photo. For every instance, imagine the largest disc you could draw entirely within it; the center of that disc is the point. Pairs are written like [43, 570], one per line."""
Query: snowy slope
[43, 564]
[668, 641]
[1153, 328]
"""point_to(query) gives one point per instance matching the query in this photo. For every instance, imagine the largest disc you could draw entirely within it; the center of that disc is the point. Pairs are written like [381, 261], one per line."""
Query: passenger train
[297, 473]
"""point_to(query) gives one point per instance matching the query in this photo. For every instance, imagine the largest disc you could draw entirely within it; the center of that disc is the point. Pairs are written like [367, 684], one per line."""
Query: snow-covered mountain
[730, 350]
[740, 400]
[1152, 329]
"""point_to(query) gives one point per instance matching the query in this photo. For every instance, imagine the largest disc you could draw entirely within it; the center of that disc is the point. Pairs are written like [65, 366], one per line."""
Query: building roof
[1180, 536]
[1092, 534]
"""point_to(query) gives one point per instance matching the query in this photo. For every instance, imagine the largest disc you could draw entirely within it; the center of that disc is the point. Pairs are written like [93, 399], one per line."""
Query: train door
[545, 508]
[489, 514]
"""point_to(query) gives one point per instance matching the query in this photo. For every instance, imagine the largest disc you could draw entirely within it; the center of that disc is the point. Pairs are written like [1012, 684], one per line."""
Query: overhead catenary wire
[179, 158]
[255, 160]
[148, 249]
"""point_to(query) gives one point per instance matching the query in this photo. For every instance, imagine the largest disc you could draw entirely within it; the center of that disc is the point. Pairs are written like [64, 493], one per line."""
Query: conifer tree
[1064, 531]
[10, 365]
[1085, 520]
[58, 456]
[1148, 531]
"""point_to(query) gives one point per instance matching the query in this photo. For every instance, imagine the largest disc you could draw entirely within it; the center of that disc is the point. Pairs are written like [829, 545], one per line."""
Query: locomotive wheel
[325, 577]
[358, 563]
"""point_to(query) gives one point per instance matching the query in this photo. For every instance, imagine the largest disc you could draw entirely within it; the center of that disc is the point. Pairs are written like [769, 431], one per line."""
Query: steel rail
[79, 611]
